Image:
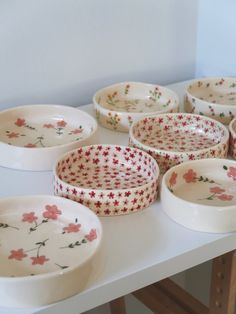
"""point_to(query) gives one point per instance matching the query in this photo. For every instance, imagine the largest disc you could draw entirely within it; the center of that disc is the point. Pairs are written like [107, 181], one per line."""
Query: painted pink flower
[48, 126]
[92, 235]
[61, 124]
[72, 228]
[190, 176]
[29, 217]
[77, 131]
[51, 212]
[232, 173]
[20, 122]
[30, 145]
[172, 180]
[17, 254]
[216, 190]
[13, 135]
[39, 260]
[225, 197]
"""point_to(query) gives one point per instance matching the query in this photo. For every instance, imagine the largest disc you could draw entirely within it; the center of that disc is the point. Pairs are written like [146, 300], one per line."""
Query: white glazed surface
[33, 136]
[47, 244]
[118, 105]
[201, 195]
[213, 97]
[232, 130]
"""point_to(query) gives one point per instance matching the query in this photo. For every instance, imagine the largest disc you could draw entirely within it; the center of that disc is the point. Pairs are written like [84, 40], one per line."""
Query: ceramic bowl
[47, 247]
[32, 137]
[177, 137]
[111, 180]
[232, 130]
[118, 105]
[213, 97]
[201, 195]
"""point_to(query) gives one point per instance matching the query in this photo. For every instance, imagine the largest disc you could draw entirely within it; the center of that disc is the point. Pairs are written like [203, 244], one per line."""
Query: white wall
[62, 51]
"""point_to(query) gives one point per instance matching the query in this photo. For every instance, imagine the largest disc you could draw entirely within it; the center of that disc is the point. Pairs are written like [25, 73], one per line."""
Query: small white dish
[201, 195]
[47, 246]
[232, 145]
[213, 97]
[118, 105]
[32, 137]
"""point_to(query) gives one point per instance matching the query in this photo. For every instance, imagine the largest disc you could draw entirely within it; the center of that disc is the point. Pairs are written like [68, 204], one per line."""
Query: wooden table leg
[117, 306]
[223, 284]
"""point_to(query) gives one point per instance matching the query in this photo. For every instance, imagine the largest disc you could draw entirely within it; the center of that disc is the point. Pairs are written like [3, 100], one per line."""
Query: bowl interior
[106, 167]
[178, 132]
[220, 91]
[209, 182]
[44, 126]
[44, 235]
[136, 97]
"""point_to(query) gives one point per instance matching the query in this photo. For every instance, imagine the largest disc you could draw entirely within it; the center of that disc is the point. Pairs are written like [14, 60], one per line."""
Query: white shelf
[137, 250]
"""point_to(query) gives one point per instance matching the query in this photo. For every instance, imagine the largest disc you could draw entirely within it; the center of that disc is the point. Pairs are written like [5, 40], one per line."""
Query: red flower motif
[17, 254]
[190, 176]
[77, 131]
[61, 124]
[30, 145]
[216, 190]
[20, 122]
[13, 135]
[51, 212]
[39, 260]
[172, 180]
[225, 197]
[72, 228]
[232, 173]
[48, 126]
[29, 217]
[92, 235]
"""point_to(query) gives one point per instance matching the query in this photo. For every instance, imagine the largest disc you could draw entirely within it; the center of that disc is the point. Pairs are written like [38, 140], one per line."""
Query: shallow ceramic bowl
[177, 137]
[213, 97]
[47, 247]
[33, 136]
[109, 179]
[232, 130]
[201, 195]
[118, 105]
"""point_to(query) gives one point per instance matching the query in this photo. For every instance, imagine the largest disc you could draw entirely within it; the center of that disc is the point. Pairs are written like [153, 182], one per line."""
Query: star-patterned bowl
[232, 145]
[201, 194]
[177, 137]
[109, 179]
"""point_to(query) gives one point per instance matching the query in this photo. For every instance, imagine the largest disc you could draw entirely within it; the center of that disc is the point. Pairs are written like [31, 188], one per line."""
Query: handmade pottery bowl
[177, 137]
[232, 145]
[201, 195]
[109, 179]
[212, 97]
[47, 248]
[118, 105]
[32, 137]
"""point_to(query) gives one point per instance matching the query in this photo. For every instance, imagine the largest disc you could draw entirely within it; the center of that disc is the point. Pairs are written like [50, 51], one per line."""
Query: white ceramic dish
[111, 180]
[47, 247]
[177, 137]
[201, 195]
[118, 105]
[232, 130]
[32, 137]
[213, 97]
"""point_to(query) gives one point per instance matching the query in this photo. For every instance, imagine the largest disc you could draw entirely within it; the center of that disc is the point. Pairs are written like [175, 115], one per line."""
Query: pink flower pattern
[51, 212]
[190, 176]
[72, 228]
[92, 235]
[39, 260]
[29, 217]
[17, 254]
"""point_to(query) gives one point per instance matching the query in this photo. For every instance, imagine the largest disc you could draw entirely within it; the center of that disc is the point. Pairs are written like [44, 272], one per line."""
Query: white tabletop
[138, 249]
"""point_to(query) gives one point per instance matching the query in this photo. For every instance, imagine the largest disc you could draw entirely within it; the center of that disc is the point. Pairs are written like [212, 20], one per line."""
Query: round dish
[232, 130]
[111, 180]
[177, 137]
[47, 247]
[201, 195]
[118, 105]
[33, 136]
[213, 97]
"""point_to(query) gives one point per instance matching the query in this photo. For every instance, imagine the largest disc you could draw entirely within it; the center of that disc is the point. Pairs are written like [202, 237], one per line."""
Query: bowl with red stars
[48, 246]
[203, 193]
[32, 137]
[232, 145]
[177, 137]
[109, 179]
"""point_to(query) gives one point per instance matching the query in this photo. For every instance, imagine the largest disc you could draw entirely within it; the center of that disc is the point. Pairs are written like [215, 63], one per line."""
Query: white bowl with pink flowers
[109, 179]
[232, 142]
[172, 138]
[48, 245]
[32, 137]
[118, 105]
[201, 194]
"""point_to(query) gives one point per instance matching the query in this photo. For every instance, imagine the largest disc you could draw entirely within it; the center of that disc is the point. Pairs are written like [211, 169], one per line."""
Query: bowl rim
[60, 272]
[231, 129]
[224, 139]
[54, 147]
